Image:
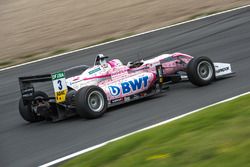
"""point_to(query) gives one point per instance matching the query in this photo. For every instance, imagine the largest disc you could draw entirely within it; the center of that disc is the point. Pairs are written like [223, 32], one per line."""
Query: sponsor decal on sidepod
[129, 86]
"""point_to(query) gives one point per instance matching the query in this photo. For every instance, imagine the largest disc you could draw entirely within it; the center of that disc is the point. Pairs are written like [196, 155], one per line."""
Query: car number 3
[59, 82]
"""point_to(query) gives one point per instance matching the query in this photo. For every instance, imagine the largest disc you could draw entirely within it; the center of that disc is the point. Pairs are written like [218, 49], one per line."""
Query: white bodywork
[222, 69]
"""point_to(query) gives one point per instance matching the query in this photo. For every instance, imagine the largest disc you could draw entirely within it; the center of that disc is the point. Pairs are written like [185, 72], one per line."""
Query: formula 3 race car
[90, 91]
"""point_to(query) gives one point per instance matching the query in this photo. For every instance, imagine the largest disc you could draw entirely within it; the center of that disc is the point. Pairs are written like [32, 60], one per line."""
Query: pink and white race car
[89, 91]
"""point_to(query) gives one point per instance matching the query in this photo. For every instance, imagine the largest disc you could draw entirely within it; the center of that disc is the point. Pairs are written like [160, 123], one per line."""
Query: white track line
[129, 134]
[147, 32]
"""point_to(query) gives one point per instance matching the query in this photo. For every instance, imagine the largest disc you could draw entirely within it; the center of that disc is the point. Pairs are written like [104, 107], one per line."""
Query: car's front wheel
[201, 71]
[91, 102]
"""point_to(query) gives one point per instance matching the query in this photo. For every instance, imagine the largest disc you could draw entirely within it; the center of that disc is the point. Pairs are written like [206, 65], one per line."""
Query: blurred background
[31, 29]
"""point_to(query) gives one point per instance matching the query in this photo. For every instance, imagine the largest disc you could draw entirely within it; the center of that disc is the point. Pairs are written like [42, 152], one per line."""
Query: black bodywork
[46, 107]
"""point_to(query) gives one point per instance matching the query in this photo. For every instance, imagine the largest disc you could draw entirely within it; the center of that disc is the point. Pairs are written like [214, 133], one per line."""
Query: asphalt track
[223, 38]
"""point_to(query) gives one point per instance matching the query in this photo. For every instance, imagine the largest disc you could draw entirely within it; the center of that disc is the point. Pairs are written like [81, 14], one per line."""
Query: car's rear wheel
[27, 111]
[91, 102]
[201, 71]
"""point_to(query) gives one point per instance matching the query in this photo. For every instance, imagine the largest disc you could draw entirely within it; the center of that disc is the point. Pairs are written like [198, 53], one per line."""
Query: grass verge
[203, 14]
[59, 51]
[217, 136]
[5, 63]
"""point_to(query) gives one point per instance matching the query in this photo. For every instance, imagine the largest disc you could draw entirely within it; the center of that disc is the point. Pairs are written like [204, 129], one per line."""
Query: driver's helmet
[101, 59]
[115, 63]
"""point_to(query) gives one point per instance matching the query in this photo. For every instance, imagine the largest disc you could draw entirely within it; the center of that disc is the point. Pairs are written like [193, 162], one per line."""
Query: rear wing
[58, 80]
[26, 85]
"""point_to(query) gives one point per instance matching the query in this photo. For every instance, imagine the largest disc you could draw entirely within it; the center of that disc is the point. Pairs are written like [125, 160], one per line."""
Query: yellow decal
[60, 96]
[158, 156]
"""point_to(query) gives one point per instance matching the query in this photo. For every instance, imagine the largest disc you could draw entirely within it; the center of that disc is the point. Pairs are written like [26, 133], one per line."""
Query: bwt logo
[127, 87]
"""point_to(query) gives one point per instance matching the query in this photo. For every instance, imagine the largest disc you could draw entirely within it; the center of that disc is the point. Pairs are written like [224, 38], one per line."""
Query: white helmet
[101, 59]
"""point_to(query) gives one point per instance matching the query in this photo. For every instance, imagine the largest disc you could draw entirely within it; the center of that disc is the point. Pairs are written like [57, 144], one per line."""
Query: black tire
[201, 71]
[26, 110]
[91, 102]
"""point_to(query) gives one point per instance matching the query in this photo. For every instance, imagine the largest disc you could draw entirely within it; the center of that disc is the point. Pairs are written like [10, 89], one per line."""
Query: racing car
[90, 91]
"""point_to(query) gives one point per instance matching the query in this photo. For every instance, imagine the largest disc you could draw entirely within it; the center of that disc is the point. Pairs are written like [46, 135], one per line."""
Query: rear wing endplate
[26, 85]
[58, 80]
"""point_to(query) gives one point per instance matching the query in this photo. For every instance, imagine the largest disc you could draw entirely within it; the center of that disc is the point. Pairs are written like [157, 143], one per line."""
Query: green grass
[29, 56]
[215, 137]
[35, 56]
[202, 14]
[59, 51]
[5, 63]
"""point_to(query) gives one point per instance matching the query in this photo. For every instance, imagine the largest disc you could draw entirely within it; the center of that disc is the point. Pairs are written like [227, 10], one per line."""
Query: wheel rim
[96, 101]
[34, 106]
[205, 70]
